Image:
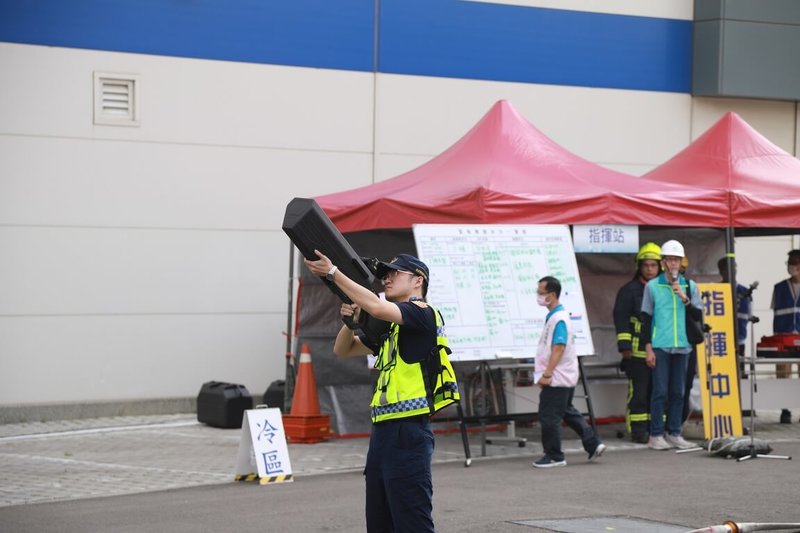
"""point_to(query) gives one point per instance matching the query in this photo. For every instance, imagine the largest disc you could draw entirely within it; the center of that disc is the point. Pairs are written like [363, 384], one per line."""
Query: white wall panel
[424, 116]
[774, 120]
[67, 271]
[101, 358]
[56, 181]
[675, 9]
[48, 92]
[613, 127]
[158, 247]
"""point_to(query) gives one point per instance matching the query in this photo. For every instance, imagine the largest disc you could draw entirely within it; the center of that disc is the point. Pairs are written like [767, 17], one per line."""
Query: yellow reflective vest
[410, 389]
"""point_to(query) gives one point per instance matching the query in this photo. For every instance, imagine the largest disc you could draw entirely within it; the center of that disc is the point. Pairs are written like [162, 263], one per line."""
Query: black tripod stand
[751, 378]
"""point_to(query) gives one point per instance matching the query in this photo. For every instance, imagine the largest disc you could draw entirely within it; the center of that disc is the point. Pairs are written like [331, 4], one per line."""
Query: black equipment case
[273, 397]
[222, 405]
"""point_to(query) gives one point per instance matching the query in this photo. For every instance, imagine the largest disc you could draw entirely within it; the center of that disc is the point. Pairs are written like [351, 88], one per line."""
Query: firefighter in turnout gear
[415, 380]
[627, 322]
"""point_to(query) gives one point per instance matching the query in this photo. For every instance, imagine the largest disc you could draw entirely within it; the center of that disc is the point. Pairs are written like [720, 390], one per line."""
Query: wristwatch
[331, 273]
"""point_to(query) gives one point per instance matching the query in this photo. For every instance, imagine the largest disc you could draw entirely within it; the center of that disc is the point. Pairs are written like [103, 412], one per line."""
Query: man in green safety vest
[667, 299]
[415, 380]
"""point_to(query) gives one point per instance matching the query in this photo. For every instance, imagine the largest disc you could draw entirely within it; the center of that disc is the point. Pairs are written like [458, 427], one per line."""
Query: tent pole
[288, 390]
[730, 255]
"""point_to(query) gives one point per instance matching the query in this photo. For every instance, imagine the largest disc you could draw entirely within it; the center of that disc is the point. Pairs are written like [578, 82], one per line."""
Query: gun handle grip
[356, 321]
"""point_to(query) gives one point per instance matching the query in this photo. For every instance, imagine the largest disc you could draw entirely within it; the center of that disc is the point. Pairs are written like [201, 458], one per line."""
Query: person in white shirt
[557, 364]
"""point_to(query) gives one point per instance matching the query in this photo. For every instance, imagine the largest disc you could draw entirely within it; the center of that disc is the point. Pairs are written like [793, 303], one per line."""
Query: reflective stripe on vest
[405, 389]
[787, 309]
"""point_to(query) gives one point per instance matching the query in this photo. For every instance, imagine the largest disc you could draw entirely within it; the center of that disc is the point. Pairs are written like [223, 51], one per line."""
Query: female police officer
[415, 380]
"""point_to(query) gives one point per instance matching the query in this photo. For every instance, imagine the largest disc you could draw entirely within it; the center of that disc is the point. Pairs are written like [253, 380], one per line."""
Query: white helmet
[672, 248]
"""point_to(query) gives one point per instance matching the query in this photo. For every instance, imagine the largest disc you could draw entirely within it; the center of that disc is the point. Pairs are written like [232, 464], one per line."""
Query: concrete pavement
[108, 467]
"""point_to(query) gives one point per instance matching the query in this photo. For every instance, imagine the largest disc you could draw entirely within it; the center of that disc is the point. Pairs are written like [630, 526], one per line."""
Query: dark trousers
[639, 379]
[398, 476]
[669, 381]
[555, 405]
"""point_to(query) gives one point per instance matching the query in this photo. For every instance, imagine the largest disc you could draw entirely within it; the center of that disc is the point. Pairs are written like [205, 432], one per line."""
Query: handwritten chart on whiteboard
[484, 280]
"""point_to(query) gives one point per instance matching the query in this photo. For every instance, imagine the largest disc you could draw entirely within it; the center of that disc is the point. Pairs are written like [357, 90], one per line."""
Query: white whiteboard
[484, 280]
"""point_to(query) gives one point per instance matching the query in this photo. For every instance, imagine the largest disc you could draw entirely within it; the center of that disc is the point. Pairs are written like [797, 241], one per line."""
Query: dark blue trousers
[555, 405]
[398, 476]
[669, 377]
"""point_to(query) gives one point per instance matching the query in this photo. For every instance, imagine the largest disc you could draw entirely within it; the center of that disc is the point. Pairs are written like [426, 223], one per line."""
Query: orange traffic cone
[305, 423]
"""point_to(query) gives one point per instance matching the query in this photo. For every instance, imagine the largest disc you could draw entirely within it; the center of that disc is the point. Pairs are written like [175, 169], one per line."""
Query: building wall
[159, 247]
[742, 49]
[140, 262]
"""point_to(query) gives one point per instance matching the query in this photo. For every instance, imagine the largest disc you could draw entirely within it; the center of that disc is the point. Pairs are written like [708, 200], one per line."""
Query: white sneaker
[598, 451]
[658, 443]
[679, 442]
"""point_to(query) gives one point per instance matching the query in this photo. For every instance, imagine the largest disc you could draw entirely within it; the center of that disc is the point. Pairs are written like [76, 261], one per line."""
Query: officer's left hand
[321, 266]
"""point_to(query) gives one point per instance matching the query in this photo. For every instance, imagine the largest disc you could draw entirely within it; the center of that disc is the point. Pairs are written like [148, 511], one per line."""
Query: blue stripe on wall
[447, 38]
[309, 33]
[534, 45]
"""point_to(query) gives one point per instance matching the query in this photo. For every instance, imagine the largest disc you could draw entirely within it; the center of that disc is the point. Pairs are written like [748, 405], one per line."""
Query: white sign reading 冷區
[263, 452]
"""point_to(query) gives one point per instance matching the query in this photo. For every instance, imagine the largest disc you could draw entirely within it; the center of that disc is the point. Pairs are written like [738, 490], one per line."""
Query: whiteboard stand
[485, 417]
[586, 396]
[485, 373]
[511, 435]
[464, 439]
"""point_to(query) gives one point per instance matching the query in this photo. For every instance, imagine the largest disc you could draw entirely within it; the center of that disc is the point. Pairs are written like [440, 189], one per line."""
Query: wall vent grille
[115, 101]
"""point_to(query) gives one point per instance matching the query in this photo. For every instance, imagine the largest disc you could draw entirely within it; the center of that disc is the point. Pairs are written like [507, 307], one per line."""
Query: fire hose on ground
[746, 527]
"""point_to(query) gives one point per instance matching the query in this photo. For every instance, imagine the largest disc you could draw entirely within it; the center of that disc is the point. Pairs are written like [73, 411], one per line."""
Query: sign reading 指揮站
[605, 238]
[484, 280]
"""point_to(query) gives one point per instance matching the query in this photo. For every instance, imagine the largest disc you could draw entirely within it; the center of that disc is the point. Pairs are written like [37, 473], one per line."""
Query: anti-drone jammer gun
[309, 228]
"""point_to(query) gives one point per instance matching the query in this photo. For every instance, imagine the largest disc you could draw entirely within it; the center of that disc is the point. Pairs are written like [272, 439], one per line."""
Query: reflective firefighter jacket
[627, 317]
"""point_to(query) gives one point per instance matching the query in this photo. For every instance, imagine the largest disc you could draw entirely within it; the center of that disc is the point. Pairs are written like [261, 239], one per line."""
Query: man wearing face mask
[786, 318]
[667, 299]
[628, 323]
[557, 364]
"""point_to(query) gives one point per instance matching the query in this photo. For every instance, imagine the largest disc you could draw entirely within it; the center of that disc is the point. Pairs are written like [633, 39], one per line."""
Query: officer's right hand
[626, 354]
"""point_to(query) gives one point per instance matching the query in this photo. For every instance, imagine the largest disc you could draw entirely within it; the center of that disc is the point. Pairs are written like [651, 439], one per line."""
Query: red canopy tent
[504, 170]
[762, 180]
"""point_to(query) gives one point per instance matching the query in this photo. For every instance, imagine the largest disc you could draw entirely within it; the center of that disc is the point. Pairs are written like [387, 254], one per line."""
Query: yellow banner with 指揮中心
[717, 364]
